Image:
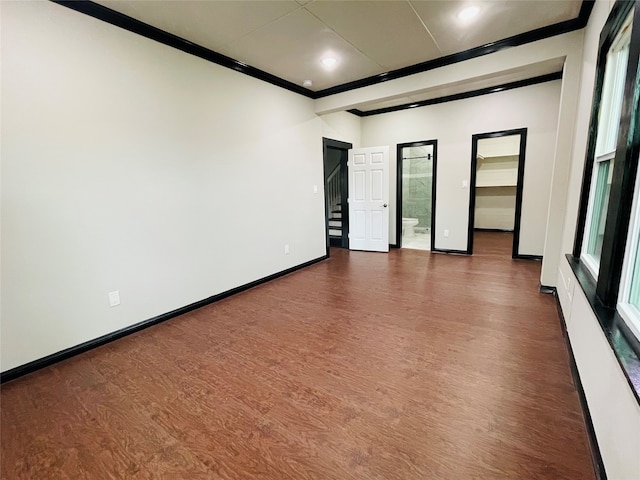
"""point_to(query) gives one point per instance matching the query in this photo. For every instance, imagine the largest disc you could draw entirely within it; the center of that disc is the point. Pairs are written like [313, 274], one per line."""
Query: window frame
[603, 289]
[588, 259]
[629, 312]
[604, 134]
[625, 160]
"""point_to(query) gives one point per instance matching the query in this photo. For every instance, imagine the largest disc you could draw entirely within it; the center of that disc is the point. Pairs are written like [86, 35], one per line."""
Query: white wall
[128, 165]
[495, 208]
[453, 124]
[614, 410]
[496, 182]
[342, 126]
[499, 146]
[497, 171]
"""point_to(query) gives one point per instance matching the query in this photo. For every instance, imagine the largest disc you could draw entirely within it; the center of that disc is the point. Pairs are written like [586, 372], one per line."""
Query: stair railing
[333, 189]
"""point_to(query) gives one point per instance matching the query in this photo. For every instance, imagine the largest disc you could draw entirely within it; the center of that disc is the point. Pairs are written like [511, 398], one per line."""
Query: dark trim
[519, 189]
[461, 96]
[136, 26]
[393, 245]
[449, 251]
[43, 362]
[537, 258]
[328, 143]
[548, 289]
[591, 145]
[434, 173]
[334, 242]
[519, 186]
[625, 345]
[516, 40]
[615, 20]
[596, 456]
[495, 230]
[625, 168]
[472, 193]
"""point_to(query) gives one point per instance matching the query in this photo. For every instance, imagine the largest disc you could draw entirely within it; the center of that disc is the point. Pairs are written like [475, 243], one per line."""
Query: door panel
[377, 182]
[377, 226]
[357, 227]
[359, 186]
[369, 199]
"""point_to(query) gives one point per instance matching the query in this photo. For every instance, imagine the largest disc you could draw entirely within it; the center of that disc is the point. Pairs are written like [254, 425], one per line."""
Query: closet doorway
[416, 194]
[497, 175]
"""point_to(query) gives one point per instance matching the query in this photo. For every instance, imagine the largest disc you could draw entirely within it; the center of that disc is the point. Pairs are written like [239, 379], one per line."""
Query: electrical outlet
[446, 233]
[114, 298]
[286, 249]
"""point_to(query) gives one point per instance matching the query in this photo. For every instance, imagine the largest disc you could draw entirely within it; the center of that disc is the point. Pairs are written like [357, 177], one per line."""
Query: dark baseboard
[596, 456]
[394, 245]
[500, 230]
[529, 257]
[335, 241]
[30, 367]
[454, 252]
[548, 289]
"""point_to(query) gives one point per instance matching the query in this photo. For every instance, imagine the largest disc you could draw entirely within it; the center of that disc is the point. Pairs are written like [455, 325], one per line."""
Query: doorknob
[385, 205]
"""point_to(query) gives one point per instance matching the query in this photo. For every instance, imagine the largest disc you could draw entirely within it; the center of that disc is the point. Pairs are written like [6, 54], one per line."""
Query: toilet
[407, 226]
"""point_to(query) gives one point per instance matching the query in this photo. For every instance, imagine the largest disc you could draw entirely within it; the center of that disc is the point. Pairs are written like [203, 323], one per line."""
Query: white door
[369, 199]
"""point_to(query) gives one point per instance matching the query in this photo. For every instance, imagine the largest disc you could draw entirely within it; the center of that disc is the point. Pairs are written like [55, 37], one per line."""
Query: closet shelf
[484, 185]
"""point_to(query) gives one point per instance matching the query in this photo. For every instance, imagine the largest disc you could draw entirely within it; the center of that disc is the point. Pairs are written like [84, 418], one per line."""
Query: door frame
[344, 147]
[399, 147]
[519, 186]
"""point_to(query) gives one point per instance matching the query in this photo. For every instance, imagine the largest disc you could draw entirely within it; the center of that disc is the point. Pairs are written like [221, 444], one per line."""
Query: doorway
[497, 176]
[416, 194]
[335, 155]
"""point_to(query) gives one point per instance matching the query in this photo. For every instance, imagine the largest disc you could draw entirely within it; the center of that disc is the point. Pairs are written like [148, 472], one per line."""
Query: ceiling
[288, 38]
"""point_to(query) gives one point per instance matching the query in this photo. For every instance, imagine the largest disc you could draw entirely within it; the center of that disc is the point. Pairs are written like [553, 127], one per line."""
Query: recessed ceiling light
[468, 13]
[307, 83]
[329, 62]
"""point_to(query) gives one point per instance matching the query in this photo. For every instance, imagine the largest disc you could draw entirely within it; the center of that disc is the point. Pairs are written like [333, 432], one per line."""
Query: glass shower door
[417, 188]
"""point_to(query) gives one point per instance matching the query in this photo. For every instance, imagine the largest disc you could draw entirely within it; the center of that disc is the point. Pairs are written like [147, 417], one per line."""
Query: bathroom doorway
[335, 155]
[495, 197]
[416, 194]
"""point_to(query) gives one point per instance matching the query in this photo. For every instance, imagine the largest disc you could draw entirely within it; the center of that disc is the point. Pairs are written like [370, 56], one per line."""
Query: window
[606, 140]
[606, 252]
[629, 299]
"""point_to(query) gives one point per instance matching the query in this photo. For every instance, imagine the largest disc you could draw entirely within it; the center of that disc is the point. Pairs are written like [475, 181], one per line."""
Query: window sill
[623, 342]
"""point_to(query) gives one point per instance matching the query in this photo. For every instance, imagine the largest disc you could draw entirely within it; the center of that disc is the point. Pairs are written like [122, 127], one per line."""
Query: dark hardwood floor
[407, 365]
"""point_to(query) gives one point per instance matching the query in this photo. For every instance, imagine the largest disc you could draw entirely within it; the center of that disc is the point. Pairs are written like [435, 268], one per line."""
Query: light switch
[465, 184]
[114, 298]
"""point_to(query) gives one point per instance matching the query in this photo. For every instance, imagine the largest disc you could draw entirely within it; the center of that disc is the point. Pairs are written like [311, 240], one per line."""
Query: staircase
[335, 221]
[334, 205]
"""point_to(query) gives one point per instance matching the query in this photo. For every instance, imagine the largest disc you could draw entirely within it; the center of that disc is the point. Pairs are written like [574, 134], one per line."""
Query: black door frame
[519, 187]
[400, 146]
[344, 147]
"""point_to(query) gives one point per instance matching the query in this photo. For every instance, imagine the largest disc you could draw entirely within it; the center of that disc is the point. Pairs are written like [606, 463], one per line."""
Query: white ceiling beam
[466, 71]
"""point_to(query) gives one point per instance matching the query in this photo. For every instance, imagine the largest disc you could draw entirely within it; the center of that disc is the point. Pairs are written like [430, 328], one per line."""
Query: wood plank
[407, 365]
